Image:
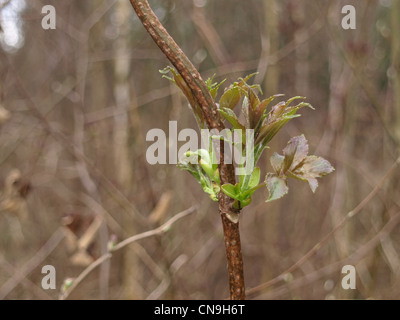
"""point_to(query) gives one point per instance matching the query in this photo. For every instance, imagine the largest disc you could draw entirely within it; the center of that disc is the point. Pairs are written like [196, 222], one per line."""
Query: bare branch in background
[32, 264]
[160, 230]
[330, 234]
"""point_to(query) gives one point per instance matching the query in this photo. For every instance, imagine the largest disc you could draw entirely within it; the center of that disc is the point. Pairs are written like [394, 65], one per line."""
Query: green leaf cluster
[266, 121]
[202, 164]
[242, 192]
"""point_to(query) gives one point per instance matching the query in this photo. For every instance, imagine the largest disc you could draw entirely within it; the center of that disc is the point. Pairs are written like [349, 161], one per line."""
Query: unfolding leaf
[205, 183]
[296, 164]
[294, 98]
[208, 187]
[229, 115]
[230, 190]
[299, 106]
[243, 81]
[295, 152]
[181, 84]
[207, 168]
[230, 98]
[247, 194]
[268, 131]
[245, 112]
[254, 101]
[191, 169]
[277, 186]
[194, 156]
[256, 87]
[216, 176]
[213, 87]
[277, 162]
[255, 178]
[199, 164]
[263, 106]
[313, 167]
[206, 161]
[212, 154]
[252, 185]
[269, 124]
[213, 191]
[245, 202]
[276, 111]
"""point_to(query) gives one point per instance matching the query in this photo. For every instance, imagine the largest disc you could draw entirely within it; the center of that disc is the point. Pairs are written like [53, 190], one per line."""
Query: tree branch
[180, 61]
[229, 215]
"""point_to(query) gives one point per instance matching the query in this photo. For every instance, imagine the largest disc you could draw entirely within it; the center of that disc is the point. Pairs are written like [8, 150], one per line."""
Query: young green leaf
[216, 188]
[207, 162]
[216, 176]
[255, 178]
[245, 202]
[192, 170]
[230, 190]
[207, 168]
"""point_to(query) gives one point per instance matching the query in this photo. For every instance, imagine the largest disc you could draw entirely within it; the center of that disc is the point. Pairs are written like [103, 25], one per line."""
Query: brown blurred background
[77, 102]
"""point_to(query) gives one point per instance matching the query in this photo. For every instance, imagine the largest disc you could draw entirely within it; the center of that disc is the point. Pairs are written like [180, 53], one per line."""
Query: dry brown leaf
[81, 259]
[4, 115]
[158, 213]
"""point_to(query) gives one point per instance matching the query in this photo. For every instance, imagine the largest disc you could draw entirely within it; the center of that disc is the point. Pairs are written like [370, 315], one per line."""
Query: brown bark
[200, 91]
[234, 258]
